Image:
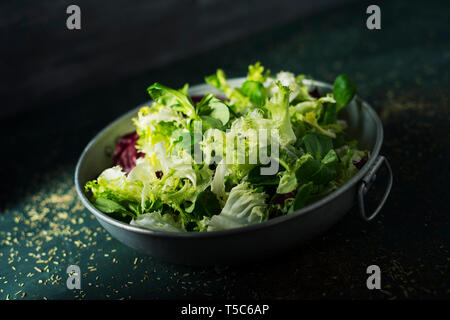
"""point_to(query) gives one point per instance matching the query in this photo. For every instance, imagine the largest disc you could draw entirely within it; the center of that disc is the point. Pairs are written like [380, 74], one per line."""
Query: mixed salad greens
[187, 168]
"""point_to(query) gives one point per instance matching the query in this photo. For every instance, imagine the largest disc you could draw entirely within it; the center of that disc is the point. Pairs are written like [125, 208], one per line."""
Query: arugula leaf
[172, 97]
[209, 122]
[344, 90]
[255, 91]
[318, 145]
[110, 206]
[216, 108]
[302, 196]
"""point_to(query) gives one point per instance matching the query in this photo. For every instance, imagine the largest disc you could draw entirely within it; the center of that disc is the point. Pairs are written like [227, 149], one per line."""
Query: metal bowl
[253, 242]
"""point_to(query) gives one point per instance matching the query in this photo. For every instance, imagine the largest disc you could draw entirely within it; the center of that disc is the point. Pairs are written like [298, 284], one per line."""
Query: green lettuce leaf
[238, 101]
[311, 119]
[331, 113]
[256, 73]
[255, 91]
[302, 195]
[213, 107]
[344, 90]
[177, 99]
[257, 179]
[288, 182]
[330, 158]
[244, 206]
[155, 221]
[278, 105]
[317, 145]
[167, 190]
[313, 170]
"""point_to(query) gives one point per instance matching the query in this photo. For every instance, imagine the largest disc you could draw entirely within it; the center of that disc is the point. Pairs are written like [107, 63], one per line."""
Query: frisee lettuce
[169, 190]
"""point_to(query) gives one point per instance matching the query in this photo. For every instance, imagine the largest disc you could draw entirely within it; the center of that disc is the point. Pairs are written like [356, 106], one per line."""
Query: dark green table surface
[403, 70]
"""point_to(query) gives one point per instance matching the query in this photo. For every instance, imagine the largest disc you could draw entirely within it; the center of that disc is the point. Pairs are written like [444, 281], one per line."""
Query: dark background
[43, 61]
[61, 87]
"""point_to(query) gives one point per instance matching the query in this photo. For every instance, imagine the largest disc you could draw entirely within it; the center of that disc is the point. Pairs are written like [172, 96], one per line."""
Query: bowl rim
[253, 227]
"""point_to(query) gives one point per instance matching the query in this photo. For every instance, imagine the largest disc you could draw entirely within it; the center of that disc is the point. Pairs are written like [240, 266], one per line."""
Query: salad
[220, 161]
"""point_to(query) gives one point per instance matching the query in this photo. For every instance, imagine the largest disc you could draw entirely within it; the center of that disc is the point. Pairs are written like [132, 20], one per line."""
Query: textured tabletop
[402, 70]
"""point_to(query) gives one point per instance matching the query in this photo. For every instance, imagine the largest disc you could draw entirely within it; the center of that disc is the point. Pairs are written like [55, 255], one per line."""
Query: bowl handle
[366, 183]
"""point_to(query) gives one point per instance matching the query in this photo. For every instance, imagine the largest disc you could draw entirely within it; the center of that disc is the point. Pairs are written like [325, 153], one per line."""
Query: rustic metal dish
[256, 241]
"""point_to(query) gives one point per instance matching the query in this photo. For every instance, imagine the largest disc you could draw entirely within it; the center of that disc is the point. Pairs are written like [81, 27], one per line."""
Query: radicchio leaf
[359, 164]
[125, 154]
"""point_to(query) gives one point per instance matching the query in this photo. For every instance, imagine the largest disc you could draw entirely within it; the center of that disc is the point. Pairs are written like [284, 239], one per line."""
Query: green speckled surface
[403, 70]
